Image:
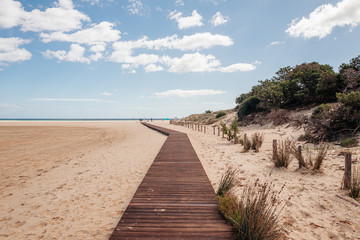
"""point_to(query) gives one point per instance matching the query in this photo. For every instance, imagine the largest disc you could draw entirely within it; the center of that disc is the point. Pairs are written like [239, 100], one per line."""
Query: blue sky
[164, 58]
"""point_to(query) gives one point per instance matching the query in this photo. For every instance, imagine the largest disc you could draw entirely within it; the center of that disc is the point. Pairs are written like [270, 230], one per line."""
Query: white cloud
[275, 43]
[98, 33]
[219, 19]
[153, 68]
[10, 51]
[76, 54]
[188, 93]
[105, 93]
[324, 18]
[123, 50]
[10, 13]
[195, 62]
[242, 67]
[179, 3]
[136, 7]
[195, 20]
[63, 17]
[67, 100]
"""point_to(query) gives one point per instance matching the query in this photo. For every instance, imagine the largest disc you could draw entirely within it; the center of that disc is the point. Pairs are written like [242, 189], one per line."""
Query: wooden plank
[175, 199]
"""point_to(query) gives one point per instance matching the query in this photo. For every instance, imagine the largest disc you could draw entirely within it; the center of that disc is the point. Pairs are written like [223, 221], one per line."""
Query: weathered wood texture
[175, 199]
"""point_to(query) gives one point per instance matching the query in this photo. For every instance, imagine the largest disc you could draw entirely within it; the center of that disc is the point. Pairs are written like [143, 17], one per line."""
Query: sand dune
[318, 208]
[70, 180]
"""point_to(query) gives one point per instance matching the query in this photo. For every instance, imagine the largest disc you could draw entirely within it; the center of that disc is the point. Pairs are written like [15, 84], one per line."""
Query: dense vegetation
[311, 84]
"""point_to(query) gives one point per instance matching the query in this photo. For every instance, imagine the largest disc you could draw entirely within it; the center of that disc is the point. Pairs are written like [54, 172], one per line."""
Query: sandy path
[70, 180]
[318, 209]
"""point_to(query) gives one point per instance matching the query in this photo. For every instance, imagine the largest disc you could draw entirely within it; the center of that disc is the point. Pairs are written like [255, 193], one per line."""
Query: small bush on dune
[220, 114]
[255, 214]
[354, 191]
[348, 142]
[281, 156]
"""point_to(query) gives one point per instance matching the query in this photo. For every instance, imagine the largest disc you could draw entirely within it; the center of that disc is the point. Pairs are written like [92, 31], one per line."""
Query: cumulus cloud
[153, 68]
[195, 62]
[76, 54]
[10, 13]
[190, 62]
[219, 19]
[188, 93]
[242, 67]
[195, 20]
[325, 18]
[11, 52]
[193, 42]
[63, 17]
[98, 33]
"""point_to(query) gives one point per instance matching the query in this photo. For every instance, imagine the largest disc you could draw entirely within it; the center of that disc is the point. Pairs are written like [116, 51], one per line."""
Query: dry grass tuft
[227, 182]
[281, 156]
[257, 140]
[316, 162]
[255, 214]
[297, 153]
[246, 143]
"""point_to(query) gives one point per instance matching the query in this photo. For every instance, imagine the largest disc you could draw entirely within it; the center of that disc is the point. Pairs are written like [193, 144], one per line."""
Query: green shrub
[320, 110]
[348, 142]
[208, 111]
[351, 99]
[220, 114]
[248, 106]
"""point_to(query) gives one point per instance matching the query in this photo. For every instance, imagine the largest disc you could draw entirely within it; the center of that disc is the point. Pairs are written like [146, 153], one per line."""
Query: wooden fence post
[256, 143]
[218, 131]
[347, 170]
[214, 129]
[205, 129]
[300, 155]
[274, 149]
[235, 137]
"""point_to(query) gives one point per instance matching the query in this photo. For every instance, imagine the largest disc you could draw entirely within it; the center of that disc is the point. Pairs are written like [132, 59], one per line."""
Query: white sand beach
[70, 180]
[74, 180]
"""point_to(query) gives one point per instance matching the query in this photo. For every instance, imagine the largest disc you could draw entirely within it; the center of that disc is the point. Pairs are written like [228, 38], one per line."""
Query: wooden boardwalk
[175, 200]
